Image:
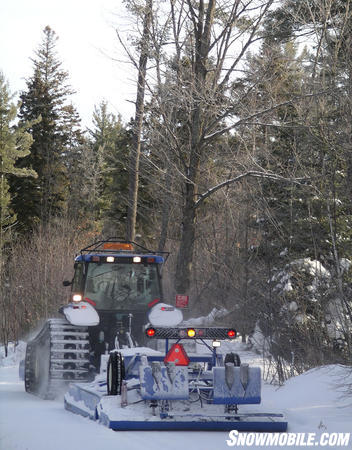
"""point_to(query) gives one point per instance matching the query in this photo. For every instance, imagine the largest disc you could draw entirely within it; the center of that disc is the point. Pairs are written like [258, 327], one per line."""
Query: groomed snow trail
[315, 402]
[29, 423]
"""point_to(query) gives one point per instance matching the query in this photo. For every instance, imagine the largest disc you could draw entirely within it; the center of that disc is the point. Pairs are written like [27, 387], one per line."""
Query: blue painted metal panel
[76, 410]
[161, 384]
[237, 394]
[277, 424]
[80, 395]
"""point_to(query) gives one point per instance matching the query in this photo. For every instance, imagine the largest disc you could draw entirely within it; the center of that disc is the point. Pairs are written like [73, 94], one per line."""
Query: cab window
[77, 284]
[122, 286]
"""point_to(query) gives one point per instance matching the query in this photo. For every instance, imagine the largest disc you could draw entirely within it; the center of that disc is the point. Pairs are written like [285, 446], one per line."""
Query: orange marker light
[117, 246]
[231, 334]
[191, 332]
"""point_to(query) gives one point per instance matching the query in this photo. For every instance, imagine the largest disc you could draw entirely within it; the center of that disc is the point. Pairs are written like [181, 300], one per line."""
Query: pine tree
[280, 142]
[15, 142]
[54, 135]
[305, 227]
[99, 175]
[112, 140]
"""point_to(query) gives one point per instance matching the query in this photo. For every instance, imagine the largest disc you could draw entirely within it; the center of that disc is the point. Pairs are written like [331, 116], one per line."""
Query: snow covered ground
[315, 402]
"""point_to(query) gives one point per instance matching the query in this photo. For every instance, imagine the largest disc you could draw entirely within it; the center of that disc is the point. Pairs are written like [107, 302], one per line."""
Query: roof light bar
[192, 333]
[118, 246]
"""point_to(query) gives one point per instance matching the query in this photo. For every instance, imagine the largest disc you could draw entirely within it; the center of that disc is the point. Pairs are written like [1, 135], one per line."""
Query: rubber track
[57, 355]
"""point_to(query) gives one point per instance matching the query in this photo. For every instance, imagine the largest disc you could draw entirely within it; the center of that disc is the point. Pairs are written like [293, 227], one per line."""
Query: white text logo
[287, 439]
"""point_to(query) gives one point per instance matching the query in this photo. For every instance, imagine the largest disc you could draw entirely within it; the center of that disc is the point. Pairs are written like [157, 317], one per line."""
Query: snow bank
[214, 314]
[316, 401]
[15, 354]
[320, 386]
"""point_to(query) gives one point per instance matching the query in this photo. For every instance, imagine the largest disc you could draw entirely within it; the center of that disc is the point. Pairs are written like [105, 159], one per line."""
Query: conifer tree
[54, 135]
[280, 140]
[15, 142]
[112, 139]
[99, 174]
[309, 226]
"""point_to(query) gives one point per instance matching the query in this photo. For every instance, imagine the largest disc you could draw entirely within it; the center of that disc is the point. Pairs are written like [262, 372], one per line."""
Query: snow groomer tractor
[103, 352]
[115, 285]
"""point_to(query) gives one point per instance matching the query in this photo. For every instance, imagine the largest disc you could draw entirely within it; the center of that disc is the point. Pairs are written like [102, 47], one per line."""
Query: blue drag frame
[88, 401]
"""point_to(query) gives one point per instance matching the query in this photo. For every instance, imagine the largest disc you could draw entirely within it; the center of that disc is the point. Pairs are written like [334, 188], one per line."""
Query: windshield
[122, 286]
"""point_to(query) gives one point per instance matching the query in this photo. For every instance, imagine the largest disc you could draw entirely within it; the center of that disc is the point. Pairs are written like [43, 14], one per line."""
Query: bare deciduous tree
[138, 123]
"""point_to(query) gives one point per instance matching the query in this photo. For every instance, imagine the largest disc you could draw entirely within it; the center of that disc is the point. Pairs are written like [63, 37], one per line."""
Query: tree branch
[249, 173]
[259, 114]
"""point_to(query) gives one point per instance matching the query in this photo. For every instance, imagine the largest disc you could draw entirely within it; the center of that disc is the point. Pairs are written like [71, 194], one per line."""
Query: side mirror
[67, 283]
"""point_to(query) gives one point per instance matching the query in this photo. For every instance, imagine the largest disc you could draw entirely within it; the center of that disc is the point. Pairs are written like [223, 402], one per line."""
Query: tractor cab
[122, 281]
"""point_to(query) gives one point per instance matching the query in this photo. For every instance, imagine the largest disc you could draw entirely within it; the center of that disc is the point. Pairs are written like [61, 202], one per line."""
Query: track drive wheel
[37, 369]
[233, 358]
[115, 373]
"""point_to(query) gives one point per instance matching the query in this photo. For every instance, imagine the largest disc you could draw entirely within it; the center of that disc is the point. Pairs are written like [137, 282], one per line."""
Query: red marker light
[231, 334]
[150, 332]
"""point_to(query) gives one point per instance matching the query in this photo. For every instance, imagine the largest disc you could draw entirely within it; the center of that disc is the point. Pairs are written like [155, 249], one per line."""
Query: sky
[87, 47]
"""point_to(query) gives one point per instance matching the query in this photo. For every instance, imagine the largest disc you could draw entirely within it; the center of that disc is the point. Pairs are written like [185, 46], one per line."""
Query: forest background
[238, 161]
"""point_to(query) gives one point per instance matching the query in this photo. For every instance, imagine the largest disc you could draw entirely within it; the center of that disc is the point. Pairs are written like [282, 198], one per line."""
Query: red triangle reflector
[178, 355]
